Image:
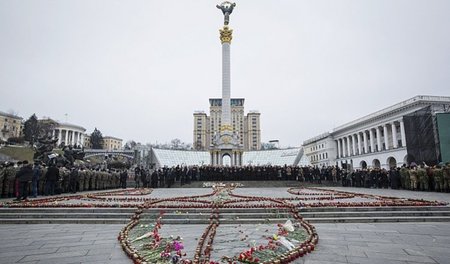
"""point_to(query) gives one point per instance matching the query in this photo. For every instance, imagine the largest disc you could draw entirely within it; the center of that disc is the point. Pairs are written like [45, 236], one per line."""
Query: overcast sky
[139, 69]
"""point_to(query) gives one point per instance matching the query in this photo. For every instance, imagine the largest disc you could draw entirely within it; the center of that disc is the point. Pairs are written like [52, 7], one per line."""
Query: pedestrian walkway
[398, 243]
[404, 243]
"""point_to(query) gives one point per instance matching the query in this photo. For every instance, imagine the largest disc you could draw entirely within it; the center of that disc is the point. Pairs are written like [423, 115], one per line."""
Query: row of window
[321, 146]
[319, 157]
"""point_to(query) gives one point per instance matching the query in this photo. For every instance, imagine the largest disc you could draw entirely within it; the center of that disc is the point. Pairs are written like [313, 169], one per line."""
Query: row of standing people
[423, 178]
[23, 179]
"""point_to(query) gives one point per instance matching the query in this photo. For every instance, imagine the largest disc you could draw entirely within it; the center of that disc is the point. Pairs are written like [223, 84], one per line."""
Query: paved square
[346, 235]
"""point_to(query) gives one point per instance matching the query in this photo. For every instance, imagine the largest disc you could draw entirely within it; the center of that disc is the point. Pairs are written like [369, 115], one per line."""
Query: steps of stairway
[248, 215]
[67, 215]
[305, 215]
[225, 210]
[228, 221]
[376, 208]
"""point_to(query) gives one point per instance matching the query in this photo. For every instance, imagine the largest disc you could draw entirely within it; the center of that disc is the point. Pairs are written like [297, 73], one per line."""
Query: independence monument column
[226, 142]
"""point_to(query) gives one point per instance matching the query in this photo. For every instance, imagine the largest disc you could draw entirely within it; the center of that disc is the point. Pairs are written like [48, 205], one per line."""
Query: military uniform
[446, 172]
[42, 181]
[2, 180]
[81, 179]
[414, 178]
[87, 180]
[10, 181]
[423, 179]
[404, 178]
[64, 179]
[438, 179]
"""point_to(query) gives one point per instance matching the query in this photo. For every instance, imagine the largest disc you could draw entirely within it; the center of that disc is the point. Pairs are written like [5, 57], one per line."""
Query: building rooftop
[171, 157]
[410, 102]
[111, 137]
[10, 115]
[316, 138]
[280, 157]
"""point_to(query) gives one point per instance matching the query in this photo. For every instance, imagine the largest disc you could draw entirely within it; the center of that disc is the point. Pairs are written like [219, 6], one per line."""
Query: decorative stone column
[66, 141]
[402, 133]
[378, 139]
[343, 148]
[348, 146]
[226, 37]
[366, 148]
[372, 140]
[338, 149]
[386, 137]
[394, 135]
[354, 143]
[359, 144]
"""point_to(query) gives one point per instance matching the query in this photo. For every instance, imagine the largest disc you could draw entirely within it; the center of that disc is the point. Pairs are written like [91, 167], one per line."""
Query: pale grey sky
[139, 69]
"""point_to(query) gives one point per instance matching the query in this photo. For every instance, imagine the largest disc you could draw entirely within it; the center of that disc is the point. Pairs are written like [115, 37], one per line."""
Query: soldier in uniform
[446, 172]
[81, 179]
[65, 179]
[88, 180]
[404, 177]
[438, 179]
[73, 180]
[10, 180]
[413, 175]
[42, 181]
[423, 178]
[2, 178]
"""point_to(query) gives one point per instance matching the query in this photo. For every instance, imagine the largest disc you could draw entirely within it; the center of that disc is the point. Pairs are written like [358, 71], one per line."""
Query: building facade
[10, 126]
[399, 134]
[87, 141]
[66, 133]
[320, 150]
[112, 143]
[247, 127]
[69, 134]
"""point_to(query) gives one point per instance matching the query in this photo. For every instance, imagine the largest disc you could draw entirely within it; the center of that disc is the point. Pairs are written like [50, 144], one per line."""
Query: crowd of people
[23, 179]
[422, 177]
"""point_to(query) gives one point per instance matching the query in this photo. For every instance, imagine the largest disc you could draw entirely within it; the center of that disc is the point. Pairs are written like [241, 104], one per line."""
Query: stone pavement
[339, 243]
[396, 243]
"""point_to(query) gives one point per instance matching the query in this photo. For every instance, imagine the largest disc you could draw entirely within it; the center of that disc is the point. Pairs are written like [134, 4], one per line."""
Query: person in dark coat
[123, 179]
[51, 177]
[394, 177]
[37, 172]
[24, 176]
[73, 180]
[137, 175]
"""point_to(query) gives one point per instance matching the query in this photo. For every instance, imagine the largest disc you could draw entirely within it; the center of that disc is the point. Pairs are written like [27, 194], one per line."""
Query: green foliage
[97, 139]
[31, 129]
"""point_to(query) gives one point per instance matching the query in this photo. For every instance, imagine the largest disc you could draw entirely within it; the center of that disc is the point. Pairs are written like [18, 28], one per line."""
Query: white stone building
[70, 134]
[376, 140]
[320, 150]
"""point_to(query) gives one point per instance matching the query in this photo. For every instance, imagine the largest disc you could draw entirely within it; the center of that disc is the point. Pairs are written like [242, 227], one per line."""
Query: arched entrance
[391, 162]
[363, 164]
[376, 163]
[226, 160]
